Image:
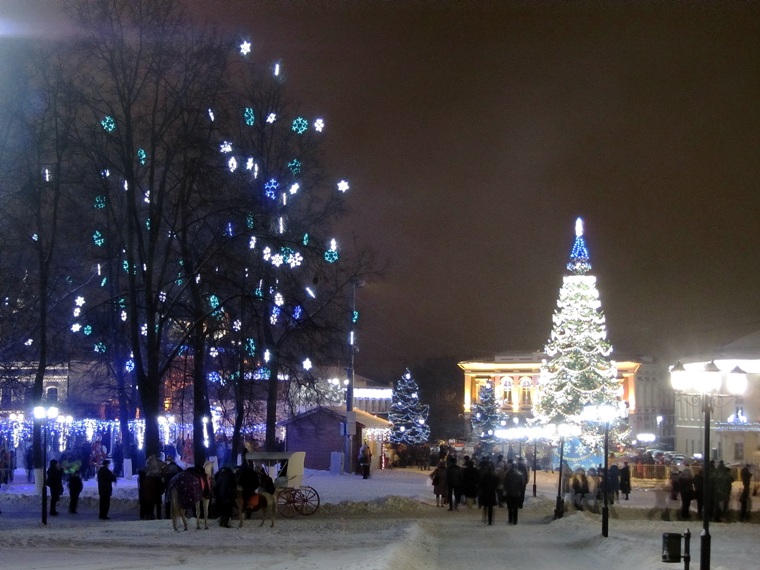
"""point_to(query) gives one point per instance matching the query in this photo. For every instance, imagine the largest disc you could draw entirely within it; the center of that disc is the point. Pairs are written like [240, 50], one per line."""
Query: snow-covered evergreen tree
[487, 417]
[579, 371]
[407, 414]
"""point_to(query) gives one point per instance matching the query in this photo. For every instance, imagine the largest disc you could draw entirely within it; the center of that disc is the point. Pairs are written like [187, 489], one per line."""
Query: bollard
[671, 547]
[686, 549]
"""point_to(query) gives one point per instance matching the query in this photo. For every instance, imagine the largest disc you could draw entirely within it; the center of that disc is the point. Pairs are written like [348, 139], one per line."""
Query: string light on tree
[487, 417]
[407, 414]
[579, 372]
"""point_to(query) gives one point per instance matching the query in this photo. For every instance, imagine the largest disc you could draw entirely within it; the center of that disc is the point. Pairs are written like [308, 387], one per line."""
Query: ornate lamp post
[702, 385]
[42, 415]
[604, 413]
[563, 430]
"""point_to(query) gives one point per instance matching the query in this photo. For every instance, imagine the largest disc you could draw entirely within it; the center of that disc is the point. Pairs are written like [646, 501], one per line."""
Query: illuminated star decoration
[343, 186]
[79, 301]
[245, 48]
[307, 364]
[579, 257]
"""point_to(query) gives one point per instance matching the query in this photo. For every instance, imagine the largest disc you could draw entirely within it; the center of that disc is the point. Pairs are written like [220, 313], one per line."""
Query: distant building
[735, 420]
[516, 380]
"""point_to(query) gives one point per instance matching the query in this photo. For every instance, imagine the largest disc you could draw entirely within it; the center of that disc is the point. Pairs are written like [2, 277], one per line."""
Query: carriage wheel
[308, 500]
[286, 503]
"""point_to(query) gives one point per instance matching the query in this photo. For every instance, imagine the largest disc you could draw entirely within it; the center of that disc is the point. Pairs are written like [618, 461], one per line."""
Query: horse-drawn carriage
[286, 469]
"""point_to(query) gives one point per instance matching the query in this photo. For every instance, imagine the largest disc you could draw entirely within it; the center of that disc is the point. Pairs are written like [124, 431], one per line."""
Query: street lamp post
[604, 413]
[43, 414]
[563, 430]
[535, 463]
[350, 414]
[704, 384]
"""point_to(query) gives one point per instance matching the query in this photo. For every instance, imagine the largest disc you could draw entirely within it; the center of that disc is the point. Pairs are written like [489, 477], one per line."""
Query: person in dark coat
[625, 480]
[487, 491]
[440, 485]
[106, 480]
[75, 489]
[55, 482]
[746, 475]
[454, 481]
[30, 464]
[470, 477]
[523, 470]
[514, 491]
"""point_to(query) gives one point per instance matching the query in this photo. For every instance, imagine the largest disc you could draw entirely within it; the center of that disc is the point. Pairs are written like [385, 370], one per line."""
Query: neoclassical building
[515, 378]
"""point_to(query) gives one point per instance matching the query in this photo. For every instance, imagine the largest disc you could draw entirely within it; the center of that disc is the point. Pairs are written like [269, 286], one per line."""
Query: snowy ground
[388, 521]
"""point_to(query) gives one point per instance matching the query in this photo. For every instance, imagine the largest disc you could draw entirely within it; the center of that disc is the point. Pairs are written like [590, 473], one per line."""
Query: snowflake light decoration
[307, 364]
[271, 118]
[226, 146]
[343, 186]
[275, 315]
[319, 125]
[294, 259]
[270, 189]
[294, 188]
[76, 327]
[249, 116]
[142, 156]
[87, 330]
[249, 163]
[331, 255]
[79, 301]
[100, 348]
[98, 238]
[232, 164]
[294, 166]
[277, 259]
[130, 365]
[300, 125]
[100, 202]
[237, 325]
[245, 48]
[108, 124]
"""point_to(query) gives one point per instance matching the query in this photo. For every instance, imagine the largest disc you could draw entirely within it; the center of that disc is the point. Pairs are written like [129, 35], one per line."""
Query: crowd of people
[494, 482]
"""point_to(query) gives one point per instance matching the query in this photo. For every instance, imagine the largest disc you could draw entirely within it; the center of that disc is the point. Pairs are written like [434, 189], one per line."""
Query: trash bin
[671, 547]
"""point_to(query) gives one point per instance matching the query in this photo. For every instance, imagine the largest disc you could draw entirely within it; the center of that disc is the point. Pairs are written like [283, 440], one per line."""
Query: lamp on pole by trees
[702, 385]
[605, 413]
[350, 414]
[42, 415]
[563, 430]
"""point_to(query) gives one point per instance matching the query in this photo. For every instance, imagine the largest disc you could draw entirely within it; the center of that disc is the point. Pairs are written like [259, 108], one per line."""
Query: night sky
[473, 134]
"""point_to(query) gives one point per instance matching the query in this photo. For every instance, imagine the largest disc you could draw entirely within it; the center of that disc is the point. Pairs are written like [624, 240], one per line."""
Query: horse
[257, 492]
[226, 495]
[191, 488]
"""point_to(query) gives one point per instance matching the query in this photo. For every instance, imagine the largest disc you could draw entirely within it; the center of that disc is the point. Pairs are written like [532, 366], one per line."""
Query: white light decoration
[124, 316]
[276, 70]
[295, 259]
[252, 243]
[225, 147]
[213, 352]
[205, 432]
[249, 163]
[267, 253]
[29, 342]
[146, 197]
[232, 164]
[266, 355]
[211, 115]
[271, 118]
[237, 325]
[245, 48]
[294, 188]
[279, 300]
[319, 125]
[307, 364]
[76, 327]
[77, 311]
[278, 259]
[162, 296]
[282, 225]
[79, 301]
[311, 293]
[343, 186]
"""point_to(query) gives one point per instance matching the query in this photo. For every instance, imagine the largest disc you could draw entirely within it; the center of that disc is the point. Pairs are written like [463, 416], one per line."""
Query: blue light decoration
[270, 189]
[250, 346]
[130, 365]
[100, 202]
[108, 124]
[249, 219]
[355, 317]
[579, 257]
[249, 116]
[298, 312]
[305, 239]
[275, 315]
[214, 377]
[331, 255]
[142, 156]
[300, 125]
[104, 281]
[100, 348]
[262, 373]
[98, 238]
[294, 166]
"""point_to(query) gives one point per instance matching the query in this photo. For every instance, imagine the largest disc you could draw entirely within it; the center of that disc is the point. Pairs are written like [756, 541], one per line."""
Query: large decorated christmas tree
[579, 372]
[487, 417]
[407, 414]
